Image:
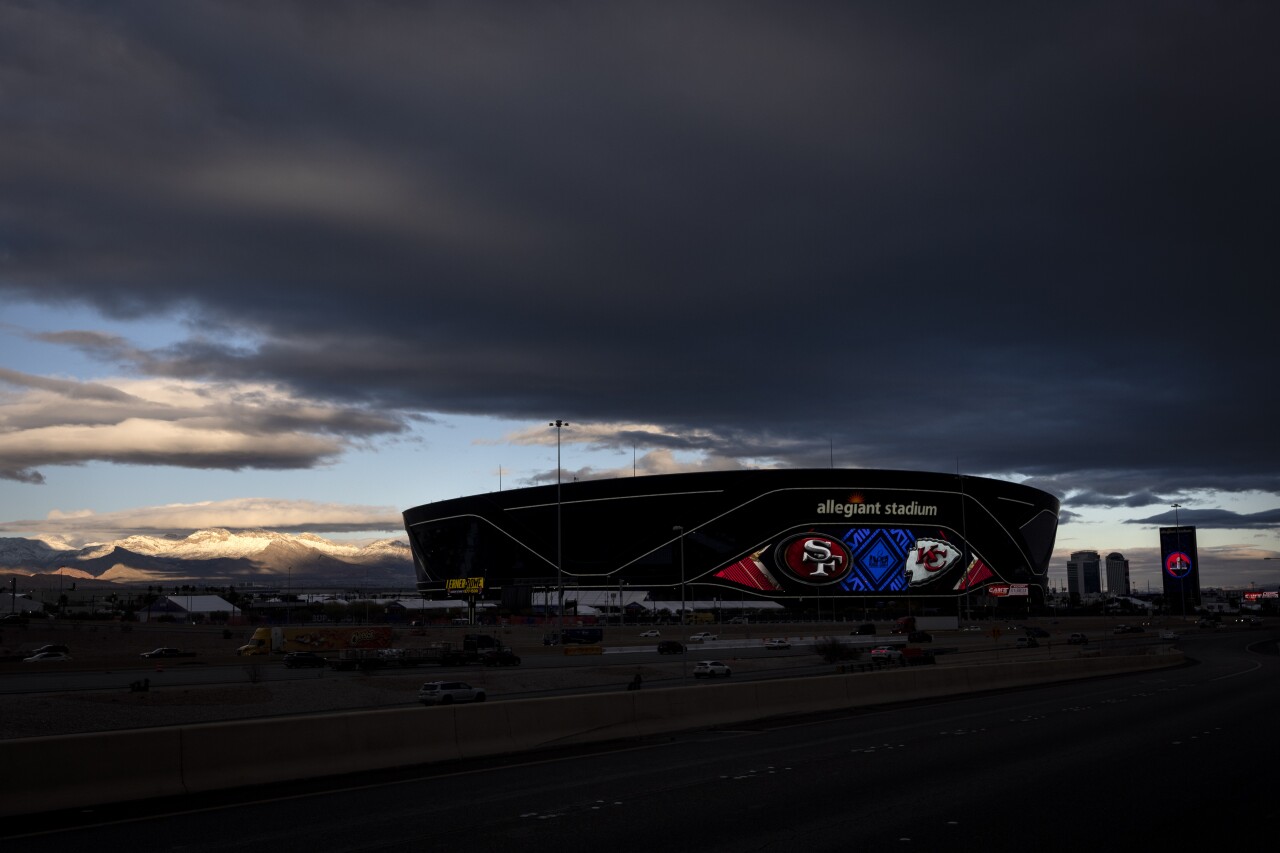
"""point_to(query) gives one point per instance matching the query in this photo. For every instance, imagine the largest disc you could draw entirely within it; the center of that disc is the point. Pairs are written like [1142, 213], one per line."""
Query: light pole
[684, 645]
[1177, 531]
[679, 531]
[621, 584]
[559, 424]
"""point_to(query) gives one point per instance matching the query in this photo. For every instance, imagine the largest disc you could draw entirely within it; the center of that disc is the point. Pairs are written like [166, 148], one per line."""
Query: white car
[710, 669]
[887, 654]
[776, 644]
[702, 637]
[650, 633]
[448, 692]
[47, 656]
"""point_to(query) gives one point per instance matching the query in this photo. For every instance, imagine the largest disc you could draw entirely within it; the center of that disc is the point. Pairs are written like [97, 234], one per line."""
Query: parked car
[448, 692]
[702, 637]
[1077, 639]
[671, 647]
[47, 657]
[52, 647]
[711, 669]
[886, 654]
[776, 644]
[18, 619]
[1026, 643]
[651, 633]
[300, 660]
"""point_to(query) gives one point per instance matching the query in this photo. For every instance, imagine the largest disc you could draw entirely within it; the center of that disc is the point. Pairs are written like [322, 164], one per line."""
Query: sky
[301, 266]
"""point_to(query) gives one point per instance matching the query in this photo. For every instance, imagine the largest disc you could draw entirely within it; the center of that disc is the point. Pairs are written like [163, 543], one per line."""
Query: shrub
[832, 650]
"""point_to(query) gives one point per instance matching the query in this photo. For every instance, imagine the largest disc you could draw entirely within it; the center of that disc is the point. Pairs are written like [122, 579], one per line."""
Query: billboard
[1180, 568]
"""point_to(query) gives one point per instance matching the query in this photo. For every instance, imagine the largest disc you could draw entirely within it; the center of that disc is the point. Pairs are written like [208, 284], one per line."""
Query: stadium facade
[786, 535]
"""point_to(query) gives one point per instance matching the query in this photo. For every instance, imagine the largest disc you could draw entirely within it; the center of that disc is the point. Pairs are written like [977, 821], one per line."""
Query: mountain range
[212, 557]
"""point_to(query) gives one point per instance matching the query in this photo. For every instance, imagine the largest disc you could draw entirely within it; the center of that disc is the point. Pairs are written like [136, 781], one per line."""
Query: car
[671, 647]
[52, 647]
[711, 669]
[1026, 643]
[448, 692]
[1035, 631]
[19, 619]
[1077, 639]
[865, 628]
[1128, 629]
[971, 628]
[919, 637]
[650, 633]
[168, 653]
[1168, 635]
[776, 644]
[301, 660]
[47, 657]
[886, 654]
[702, 637]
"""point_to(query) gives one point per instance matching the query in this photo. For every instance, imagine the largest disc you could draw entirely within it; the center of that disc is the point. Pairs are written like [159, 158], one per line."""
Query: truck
[907, 624]
[316, 638]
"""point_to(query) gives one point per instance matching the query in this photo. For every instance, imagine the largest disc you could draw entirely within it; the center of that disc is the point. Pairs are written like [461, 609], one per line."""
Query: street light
[1182, 581]
[559, 424]
[684, 653]
[679, 531]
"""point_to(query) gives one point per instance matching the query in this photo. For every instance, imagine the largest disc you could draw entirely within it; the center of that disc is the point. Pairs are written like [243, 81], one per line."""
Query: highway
[1179, 757]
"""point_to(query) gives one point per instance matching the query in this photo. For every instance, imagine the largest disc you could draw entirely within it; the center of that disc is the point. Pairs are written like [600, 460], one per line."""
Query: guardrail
[146, 763]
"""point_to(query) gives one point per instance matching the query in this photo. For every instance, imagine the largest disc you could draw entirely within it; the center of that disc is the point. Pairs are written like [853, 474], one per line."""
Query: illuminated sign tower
[1180, 568]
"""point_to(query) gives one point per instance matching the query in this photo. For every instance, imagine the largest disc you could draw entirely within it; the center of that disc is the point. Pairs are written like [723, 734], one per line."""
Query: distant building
[1117, 574]
[1084, 574]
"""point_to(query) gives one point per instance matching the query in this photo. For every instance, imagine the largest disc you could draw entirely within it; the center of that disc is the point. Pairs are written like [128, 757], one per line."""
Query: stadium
[847, 538]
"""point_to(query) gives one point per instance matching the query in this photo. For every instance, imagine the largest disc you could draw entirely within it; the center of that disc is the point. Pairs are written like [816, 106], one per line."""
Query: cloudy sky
[304, 265]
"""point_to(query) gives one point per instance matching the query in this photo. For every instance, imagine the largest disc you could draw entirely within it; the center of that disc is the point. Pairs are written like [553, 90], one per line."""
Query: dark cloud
[1213, 518]
[1022, 239]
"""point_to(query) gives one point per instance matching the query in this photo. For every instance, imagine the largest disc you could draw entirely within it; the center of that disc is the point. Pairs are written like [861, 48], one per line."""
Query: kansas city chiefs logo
[930, 560]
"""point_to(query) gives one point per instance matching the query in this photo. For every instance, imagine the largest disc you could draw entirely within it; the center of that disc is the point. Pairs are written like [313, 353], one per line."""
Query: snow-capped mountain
[215, 556]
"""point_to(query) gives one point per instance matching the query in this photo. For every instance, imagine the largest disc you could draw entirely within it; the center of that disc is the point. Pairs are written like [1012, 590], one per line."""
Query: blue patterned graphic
[879, 559]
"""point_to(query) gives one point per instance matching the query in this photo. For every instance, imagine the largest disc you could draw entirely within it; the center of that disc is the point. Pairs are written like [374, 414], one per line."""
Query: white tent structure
[185, 606]
[10, 603]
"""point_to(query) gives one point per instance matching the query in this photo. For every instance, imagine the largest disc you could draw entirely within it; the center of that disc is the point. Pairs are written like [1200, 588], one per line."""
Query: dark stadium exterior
[846, 536]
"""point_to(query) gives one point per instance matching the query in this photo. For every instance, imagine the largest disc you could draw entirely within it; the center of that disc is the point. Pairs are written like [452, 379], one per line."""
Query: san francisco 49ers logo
[814, 559]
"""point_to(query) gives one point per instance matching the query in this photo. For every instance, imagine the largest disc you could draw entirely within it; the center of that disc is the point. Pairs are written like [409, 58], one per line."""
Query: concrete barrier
[253, 752]
[72, 771]
[146, 763]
